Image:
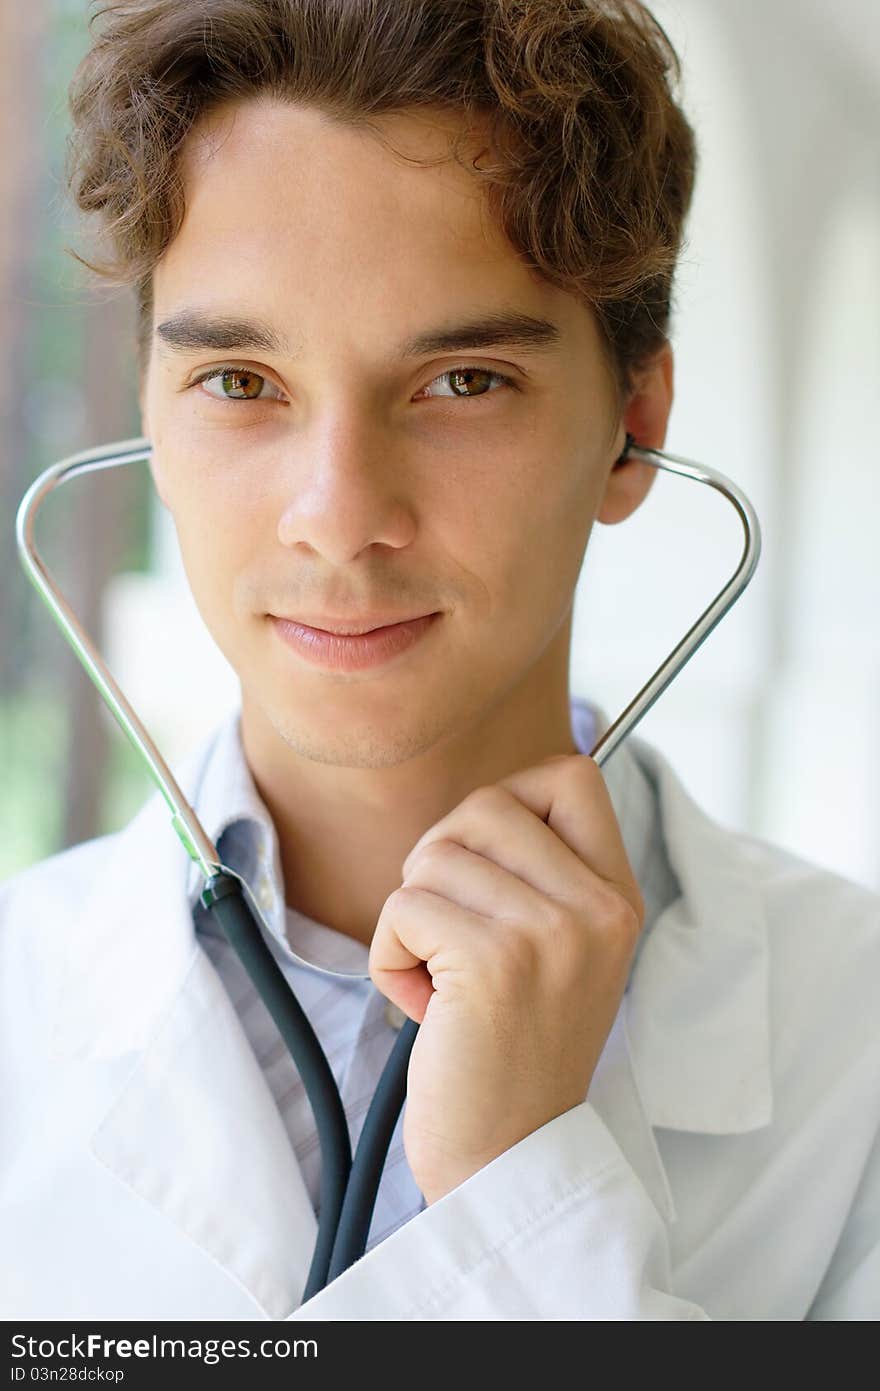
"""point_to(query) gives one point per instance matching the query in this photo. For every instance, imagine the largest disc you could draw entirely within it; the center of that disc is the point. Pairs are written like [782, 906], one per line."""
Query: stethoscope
[348, 1188]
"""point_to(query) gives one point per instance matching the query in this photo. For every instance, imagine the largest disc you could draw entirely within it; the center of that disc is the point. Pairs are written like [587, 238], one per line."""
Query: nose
[345, 489]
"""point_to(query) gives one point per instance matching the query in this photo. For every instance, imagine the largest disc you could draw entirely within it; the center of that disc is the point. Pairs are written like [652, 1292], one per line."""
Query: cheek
[208, 481]
[209, 566]
[214, 540]
[532, 522]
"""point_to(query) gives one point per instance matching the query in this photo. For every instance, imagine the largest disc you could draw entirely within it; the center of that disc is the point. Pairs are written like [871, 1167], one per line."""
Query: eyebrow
[191, 330]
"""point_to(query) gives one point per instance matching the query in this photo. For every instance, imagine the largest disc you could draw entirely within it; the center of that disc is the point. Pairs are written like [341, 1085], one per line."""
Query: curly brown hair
[592, 161]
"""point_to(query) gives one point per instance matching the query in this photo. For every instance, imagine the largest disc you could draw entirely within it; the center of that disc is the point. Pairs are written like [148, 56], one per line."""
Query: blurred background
[774, 725]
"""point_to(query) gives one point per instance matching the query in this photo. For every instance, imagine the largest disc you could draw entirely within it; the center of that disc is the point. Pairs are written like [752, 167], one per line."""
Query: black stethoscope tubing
[348, 1188]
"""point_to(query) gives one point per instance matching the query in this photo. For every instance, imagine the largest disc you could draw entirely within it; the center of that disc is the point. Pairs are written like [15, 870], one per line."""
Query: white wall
[774, 725]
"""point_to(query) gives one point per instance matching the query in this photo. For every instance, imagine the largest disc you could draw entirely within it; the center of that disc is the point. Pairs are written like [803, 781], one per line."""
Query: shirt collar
[227, 797]
[237, 821]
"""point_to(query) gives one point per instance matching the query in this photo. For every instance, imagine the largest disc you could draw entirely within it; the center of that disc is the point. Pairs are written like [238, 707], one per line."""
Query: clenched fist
[510, 942]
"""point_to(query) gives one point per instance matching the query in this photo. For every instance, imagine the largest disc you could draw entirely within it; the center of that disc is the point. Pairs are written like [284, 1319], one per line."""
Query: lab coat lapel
[697, 1013]
[690, 1046]
[614, 1094]
[194, 1130]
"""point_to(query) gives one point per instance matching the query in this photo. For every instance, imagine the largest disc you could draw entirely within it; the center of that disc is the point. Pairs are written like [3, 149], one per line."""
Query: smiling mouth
[353, 651]
[353, 627]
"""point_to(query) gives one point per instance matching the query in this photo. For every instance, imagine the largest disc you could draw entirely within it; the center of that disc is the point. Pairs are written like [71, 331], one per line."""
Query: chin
[345, 735]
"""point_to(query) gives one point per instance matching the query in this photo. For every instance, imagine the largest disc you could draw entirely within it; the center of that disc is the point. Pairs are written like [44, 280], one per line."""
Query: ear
[646, 417]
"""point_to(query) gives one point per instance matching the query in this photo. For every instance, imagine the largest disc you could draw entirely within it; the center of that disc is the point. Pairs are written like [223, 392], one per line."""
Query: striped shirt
[327, 970]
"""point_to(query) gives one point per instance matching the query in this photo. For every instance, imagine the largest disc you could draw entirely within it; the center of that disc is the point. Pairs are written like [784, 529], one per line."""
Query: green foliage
[33, 749]
[32, 741]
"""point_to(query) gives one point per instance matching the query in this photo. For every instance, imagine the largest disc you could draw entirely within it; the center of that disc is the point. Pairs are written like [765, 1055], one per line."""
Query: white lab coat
[724, 1165]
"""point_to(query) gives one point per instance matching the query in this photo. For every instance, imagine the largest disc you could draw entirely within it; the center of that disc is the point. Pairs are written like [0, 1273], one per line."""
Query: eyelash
[214, 372]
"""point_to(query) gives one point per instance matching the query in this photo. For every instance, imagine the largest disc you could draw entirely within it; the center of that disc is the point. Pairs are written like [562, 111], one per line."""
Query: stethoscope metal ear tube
[186, 824]
[710, 617]
[348, 1190]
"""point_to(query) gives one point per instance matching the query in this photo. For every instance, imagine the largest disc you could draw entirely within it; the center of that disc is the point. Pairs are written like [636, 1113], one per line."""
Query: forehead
[304, 167]
[285, 206]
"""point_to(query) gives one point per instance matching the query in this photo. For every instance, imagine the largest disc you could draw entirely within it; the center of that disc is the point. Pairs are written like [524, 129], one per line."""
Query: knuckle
[397, 902]
[434, 850]
[619, 920]
[487, 798]
[580, 771]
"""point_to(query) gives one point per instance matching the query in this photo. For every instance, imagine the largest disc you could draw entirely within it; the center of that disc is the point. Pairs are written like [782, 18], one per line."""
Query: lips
[352, 627]
[353, 651]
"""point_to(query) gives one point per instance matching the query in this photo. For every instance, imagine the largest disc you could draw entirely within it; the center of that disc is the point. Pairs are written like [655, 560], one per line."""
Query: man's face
[333, 473]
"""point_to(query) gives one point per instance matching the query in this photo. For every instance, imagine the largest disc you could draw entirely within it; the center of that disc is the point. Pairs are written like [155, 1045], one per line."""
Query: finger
[544, 824]
[481, 885]
[569, 794]
[494, 823]
[421, 940]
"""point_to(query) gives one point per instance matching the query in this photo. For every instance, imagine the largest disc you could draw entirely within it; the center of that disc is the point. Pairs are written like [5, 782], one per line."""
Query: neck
[344, 829]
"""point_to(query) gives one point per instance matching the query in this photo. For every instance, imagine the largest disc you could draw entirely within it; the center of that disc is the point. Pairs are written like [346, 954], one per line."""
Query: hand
[510, 942]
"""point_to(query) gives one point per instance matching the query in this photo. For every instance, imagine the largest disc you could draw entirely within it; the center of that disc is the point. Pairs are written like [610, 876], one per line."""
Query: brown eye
[236, 384]
[466, 377]
[470, 382]
[241, 386]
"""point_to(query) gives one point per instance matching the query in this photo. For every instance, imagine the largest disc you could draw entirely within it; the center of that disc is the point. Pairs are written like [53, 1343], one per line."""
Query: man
[384, 435]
